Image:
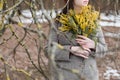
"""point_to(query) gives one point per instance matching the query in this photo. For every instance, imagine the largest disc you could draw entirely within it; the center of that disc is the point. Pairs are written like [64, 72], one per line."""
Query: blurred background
[24, 30]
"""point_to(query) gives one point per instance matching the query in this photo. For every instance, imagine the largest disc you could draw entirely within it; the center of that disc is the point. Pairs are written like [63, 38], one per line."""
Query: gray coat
[70, 67]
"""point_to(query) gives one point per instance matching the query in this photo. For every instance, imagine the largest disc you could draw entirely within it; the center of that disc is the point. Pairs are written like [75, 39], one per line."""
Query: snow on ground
[111, 73]
[110, 20]
[27, 16]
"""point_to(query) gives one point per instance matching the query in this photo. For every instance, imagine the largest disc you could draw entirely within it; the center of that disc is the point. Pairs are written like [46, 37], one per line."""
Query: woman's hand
[85, 42]
[78, 51]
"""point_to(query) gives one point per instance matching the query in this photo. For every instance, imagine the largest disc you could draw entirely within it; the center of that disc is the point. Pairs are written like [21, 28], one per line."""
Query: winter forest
[24, 32]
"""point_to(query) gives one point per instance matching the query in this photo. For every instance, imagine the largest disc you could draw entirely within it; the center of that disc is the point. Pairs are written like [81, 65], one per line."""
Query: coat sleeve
[101, 46]
[60, 54]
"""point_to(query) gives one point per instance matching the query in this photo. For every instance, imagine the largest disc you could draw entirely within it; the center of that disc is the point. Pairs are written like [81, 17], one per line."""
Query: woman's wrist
[75, 49]
[72, 48]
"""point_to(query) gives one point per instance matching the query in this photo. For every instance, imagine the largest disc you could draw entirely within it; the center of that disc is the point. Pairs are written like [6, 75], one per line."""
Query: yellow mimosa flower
[83, 23]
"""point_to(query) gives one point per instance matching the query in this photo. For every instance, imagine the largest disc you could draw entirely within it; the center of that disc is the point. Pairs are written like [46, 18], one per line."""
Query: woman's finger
[82, 43]
[87, 49]
[81, 55]
[82, 37]
[80, 40]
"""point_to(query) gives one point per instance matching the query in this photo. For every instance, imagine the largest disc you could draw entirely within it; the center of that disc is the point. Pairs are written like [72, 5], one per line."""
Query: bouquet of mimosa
[84, 23]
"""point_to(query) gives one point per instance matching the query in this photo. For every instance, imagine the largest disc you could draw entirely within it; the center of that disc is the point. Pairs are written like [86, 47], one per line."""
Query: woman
[75, 62]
